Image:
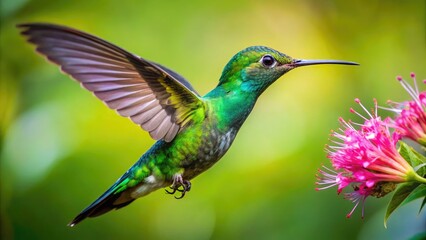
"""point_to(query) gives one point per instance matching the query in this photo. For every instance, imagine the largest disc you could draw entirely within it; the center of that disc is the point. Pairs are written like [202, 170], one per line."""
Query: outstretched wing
[151, 95]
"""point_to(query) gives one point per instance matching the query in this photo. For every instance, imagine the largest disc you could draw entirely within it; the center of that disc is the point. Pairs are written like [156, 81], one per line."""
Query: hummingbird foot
[179, 185]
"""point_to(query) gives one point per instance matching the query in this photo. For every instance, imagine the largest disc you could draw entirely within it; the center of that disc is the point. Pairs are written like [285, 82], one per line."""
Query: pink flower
[364, 156]
[411, 119]
[359, 195]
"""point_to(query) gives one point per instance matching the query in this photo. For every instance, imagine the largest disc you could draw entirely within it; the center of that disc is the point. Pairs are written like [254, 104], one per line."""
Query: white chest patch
[150, 179]
[150, 184]
[225, 142]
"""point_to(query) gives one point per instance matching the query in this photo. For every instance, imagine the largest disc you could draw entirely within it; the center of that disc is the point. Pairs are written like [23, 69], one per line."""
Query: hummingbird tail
[106, 202]
[99, 208]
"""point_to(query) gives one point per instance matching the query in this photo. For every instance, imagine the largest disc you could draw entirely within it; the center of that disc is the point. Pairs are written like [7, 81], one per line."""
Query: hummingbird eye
[268, 61]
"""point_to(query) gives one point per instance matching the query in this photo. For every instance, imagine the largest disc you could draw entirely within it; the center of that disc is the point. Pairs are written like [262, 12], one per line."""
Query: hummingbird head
[255, 68]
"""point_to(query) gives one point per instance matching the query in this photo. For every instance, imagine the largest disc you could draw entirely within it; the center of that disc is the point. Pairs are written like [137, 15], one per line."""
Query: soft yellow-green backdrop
[61, 147]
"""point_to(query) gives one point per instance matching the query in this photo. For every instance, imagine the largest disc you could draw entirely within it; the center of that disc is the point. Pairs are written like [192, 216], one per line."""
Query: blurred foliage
[60, 148]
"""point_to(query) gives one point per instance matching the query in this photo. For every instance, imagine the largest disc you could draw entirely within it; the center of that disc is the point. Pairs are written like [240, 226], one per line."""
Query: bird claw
[179, 185]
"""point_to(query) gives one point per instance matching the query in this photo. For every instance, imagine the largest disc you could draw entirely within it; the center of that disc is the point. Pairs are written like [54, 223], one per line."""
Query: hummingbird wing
[152, 96]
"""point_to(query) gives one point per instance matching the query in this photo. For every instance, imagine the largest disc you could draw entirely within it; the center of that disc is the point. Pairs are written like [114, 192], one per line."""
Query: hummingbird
[192, 132]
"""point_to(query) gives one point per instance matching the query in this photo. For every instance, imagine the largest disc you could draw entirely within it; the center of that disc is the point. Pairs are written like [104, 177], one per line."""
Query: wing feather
[151, 95]
[172, 132]
[163, 127]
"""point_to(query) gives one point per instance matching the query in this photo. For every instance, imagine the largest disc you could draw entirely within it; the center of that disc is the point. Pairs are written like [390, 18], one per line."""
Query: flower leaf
[420, 157]
[421, 167]
[412, 157]
[403, 191]
[422, 205]
[418, 192]
[404, 151]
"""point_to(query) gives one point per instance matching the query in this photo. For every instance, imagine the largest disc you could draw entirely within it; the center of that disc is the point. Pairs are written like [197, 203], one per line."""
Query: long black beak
[301, 62]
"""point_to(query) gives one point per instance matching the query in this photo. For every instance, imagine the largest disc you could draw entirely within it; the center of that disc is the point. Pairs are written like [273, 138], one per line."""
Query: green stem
[418, 178]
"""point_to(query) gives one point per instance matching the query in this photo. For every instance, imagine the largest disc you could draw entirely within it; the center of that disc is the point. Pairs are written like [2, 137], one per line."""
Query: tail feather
[102, 205]
[111, 199]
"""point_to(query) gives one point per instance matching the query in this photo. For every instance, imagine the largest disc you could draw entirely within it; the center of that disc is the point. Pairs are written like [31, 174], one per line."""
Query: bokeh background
[60, 147]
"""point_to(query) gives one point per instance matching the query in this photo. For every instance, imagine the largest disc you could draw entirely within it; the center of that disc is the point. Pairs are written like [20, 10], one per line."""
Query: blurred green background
[61, 147]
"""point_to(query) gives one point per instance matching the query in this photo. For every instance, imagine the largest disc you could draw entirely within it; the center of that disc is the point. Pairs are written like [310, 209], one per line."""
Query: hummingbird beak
[301, 62]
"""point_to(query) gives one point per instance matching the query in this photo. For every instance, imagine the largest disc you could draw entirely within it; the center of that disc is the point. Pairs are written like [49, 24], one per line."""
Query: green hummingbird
[192, 131]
